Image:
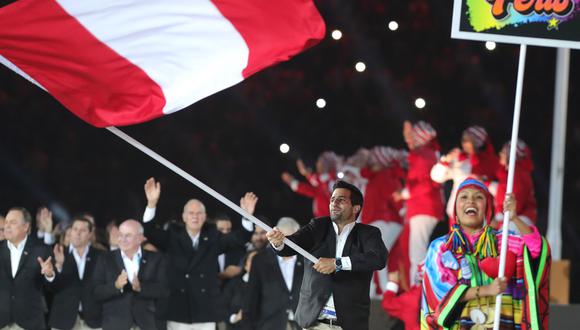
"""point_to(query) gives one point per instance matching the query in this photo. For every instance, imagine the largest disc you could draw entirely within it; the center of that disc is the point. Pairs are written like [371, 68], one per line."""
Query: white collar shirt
[287, 268]
[81, 260]
[222, 262]
[346, 264]
[194, 240]
[132, 265]
[16, 254]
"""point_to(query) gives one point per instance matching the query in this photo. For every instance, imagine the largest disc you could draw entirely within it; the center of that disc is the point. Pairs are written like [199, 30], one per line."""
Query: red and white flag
[122, 62]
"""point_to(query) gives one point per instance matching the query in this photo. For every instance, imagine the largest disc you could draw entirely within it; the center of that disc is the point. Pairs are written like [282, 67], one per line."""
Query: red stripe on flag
[85, 75]
[274, 30]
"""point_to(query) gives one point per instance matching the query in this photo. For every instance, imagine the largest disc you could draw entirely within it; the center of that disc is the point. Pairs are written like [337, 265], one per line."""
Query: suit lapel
[119, 260]
[143, 264]
[202, 246]
[298, 270]
[349, 241]
[5, 258]
[273, 263]
[331, 241]
[24, 256]
[90, 263]
[70, 263]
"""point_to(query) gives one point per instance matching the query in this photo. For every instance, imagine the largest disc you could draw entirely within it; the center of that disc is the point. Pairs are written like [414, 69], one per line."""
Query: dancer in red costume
[424, 197]
[385, 175]
[523, 185]
[319, 183]
[404, 304]
[476, 158]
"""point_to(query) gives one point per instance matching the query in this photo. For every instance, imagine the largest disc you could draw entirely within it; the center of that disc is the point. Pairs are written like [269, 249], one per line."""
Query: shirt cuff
[392, 286]
[50, 279]
[405, 193]
[233, 319]
[40, 234]
[279, 248]
[49, 239]
[294, 185]
[149, 214]
[346, 264]
[493, 188]
[247, 224]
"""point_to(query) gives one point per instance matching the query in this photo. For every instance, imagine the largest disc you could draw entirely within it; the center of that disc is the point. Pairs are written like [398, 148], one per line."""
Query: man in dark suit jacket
[192, 253]
[128, 281]
[274, 286]
[335, 290]
[24, 270]
[74, 304]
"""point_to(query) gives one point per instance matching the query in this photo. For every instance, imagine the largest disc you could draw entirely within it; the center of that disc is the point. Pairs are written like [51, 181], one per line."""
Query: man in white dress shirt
[74, 305]
[335, 290]
[274, 286]
[25, 267]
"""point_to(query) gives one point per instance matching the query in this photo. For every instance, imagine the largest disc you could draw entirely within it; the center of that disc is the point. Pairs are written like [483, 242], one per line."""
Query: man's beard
[338, 218]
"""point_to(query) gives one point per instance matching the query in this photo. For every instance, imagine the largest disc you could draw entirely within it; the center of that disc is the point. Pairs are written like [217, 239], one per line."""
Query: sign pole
[511, 170]
[554, 232]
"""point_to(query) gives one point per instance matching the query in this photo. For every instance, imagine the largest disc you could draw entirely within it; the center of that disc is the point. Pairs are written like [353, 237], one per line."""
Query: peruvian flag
[122, 62]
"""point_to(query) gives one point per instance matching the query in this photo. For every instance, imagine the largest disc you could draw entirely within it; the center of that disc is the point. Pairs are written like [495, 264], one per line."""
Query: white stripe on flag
[189, 49]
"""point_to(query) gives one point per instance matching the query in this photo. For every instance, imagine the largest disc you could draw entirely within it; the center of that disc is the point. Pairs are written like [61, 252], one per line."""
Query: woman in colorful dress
[461, 281]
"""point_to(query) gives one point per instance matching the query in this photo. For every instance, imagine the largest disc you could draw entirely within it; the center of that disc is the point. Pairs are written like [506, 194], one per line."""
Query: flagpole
[510, 181]
[554, 231]
[206, 188]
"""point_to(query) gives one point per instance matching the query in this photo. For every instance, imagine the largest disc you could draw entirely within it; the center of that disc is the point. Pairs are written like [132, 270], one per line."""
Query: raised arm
[302, 168]
[156, 236]
[238, 238]
[45, 226]
[301, 188]
[152, 192]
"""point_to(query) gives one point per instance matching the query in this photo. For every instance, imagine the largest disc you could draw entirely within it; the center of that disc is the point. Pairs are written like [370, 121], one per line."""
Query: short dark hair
[25, 214]
[82, 218]
[356, 196]
[87, 215]
[222, 217]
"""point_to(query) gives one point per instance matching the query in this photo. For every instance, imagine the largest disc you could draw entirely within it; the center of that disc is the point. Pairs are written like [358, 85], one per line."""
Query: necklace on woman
[477, 315]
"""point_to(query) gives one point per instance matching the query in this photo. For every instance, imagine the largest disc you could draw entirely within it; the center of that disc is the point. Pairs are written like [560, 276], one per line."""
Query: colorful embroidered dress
[448, 275]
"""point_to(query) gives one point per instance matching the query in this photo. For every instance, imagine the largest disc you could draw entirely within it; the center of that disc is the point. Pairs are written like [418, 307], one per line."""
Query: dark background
[230, 140]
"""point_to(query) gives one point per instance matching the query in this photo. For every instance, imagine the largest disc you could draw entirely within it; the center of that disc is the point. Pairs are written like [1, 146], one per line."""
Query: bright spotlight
[420, 103]
[393, 25]
[360, 66]
[336, 34]
[340, 175]
[284, 148]
[321, 103]
[490, 45]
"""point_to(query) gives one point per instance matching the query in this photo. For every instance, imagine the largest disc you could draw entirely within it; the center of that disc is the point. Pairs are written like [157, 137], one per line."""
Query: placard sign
[550, 23]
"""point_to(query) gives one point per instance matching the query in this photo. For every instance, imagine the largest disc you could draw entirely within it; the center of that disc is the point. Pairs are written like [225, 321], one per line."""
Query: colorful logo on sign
[498, 14]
